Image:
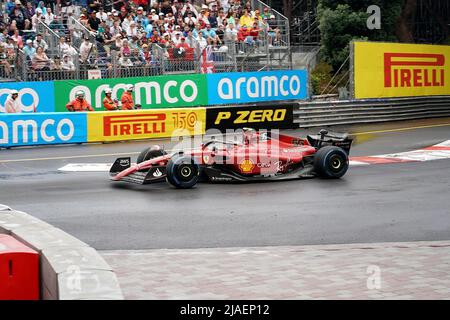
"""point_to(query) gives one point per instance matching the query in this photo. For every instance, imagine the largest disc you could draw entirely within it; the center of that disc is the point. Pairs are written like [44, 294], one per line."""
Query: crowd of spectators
[128, 29]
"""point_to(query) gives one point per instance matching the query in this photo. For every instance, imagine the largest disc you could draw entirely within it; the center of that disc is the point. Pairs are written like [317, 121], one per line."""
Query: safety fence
[163, 91]
[329, 113]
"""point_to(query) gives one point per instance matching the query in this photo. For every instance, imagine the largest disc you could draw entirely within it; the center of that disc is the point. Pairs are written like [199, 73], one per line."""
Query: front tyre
[150, 153]
[182, 172]
[331, 162]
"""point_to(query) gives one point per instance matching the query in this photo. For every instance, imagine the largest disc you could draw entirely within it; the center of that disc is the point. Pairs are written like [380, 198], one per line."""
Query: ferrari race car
[259, 156]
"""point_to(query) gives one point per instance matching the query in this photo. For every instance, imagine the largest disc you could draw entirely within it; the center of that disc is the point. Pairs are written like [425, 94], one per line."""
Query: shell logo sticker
[246, 165]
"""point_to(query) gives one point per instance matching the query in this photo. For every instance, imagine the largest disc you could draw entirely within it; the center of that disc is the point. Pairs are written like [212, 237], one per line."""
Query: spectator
[29, 50]
[93, 5]
[40, 61]
[125, 50]
[109, 21]
[48, 16]
[39, 42]
[213, 20]
[132, 30]
[85, 50]
[4, 62]
[124, 62]
[116, 28]
[266, 13]
[137, 57]
[42, 8]
[93, 21]
[147, 54]
[17, 39]
[57, 26]
[101, 14]
[67, 64]
[18, 15]
[202, 41]
[231, 33]
[79, 104]
[56, 64]
[38, 16]
[246, 20]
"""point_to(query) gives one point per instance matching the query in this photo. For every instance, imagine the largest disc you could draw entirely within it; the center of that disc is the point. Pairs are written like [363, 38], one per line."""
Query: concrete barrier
[69, 268]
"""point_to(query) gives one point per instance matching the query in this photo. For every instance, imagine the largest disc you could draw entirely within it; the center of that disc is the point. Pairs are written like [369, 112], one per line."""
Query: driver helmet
[130, 87]
[108, 90]
[13, 92]
[248, 134]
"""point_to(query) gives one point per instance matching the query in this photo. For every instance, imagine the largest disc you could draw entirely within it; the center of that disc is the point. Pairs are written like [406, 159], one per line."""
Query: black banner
[256, 117]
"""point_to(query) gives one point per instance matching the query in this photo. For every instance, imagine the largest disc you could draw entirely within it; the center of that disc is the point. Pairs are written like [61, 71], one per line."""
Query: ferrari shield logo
[246, 165]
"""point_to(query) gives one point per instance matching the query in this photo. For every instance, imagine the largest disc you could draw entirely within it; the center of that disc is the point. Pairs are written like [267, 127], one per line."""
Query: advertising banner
[33, 96]
[383, 70]
[245, 87]
[42, 128]
[261, 117]
[149, 92]
[144, 124]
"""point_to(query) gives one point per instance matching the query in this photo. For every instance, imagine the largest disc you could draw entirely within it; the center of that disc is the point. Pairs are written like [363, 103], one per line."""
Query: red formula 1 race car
[260, 156]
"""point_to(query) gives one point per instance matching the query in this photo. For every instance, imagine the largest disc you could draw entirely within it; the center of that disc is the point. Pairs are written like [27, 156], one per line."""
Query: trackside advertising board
[383, 70]
[33, 96]
[248, 87]
[42, 128]
[260, 117]
[144, 124]
[149, 92]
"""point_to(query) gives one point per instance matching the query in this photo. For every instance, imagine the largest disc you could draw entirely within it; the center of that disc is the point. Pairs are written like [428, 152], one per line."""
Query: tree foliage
[344, 20]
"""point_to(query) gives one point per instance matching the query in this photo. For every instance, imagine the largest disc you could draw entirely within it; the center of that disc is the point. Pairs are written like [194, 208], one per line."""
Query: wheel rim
[336, 163]
[185, 172]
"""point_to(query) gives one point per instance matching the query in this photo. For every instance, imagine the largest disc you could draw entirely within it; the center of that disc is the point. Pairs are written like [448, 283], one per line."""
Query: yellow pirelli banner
[144, 124]
[383, 70]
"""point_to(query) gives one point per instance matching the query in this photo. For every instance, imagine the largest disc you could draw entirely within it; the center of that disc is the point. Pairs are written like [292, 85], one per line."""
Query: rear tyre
[331, 162]
[150, 153]
[182, 172]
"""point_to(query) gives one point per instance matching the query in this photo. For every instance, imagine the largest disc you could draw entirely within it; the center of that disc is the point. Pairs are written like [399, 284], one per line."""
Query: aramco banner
[384, 70]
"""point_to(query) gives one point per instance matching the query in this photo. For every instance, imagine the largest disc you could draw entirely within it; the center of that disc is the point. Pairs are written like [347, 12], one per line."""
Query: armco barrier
[173, 91]
[328, 113]
[69, 268]
[145, 124]
[103, 126]
[266, 116]
[42, 128]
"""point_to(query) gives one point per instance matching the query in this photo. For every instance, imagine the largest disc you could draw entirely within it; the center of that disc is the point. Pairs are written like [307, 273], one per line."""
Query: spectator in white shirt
[101, 14]
[36, 17]
[85, 50]
[67, 63]
[49, 16]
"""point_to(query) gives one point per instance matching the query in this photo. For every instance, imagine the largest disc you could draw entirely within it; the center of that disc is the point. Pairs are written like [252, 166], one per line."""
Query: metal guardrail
[327, 113]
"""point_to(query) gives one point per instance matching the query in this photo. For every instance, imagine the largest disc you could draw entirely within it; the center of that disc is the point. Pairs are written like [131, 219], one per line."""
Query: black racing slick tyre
[331, 162]
[182, 172]
[150, 153]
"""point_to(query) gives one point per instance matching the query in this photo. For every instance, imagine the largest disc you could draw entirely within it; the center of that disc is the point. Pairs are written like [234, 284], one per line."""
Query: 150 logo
[143, 124]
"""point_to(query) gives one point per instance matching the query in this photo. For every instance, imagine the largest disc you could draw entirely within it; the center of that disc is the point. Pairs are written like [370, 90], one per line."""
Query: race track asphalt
[376, 203]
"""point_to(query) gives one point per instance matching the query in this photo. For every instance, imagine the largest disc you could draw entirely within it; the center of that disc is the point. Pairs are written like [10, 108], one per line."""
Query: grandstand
[83, 39]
